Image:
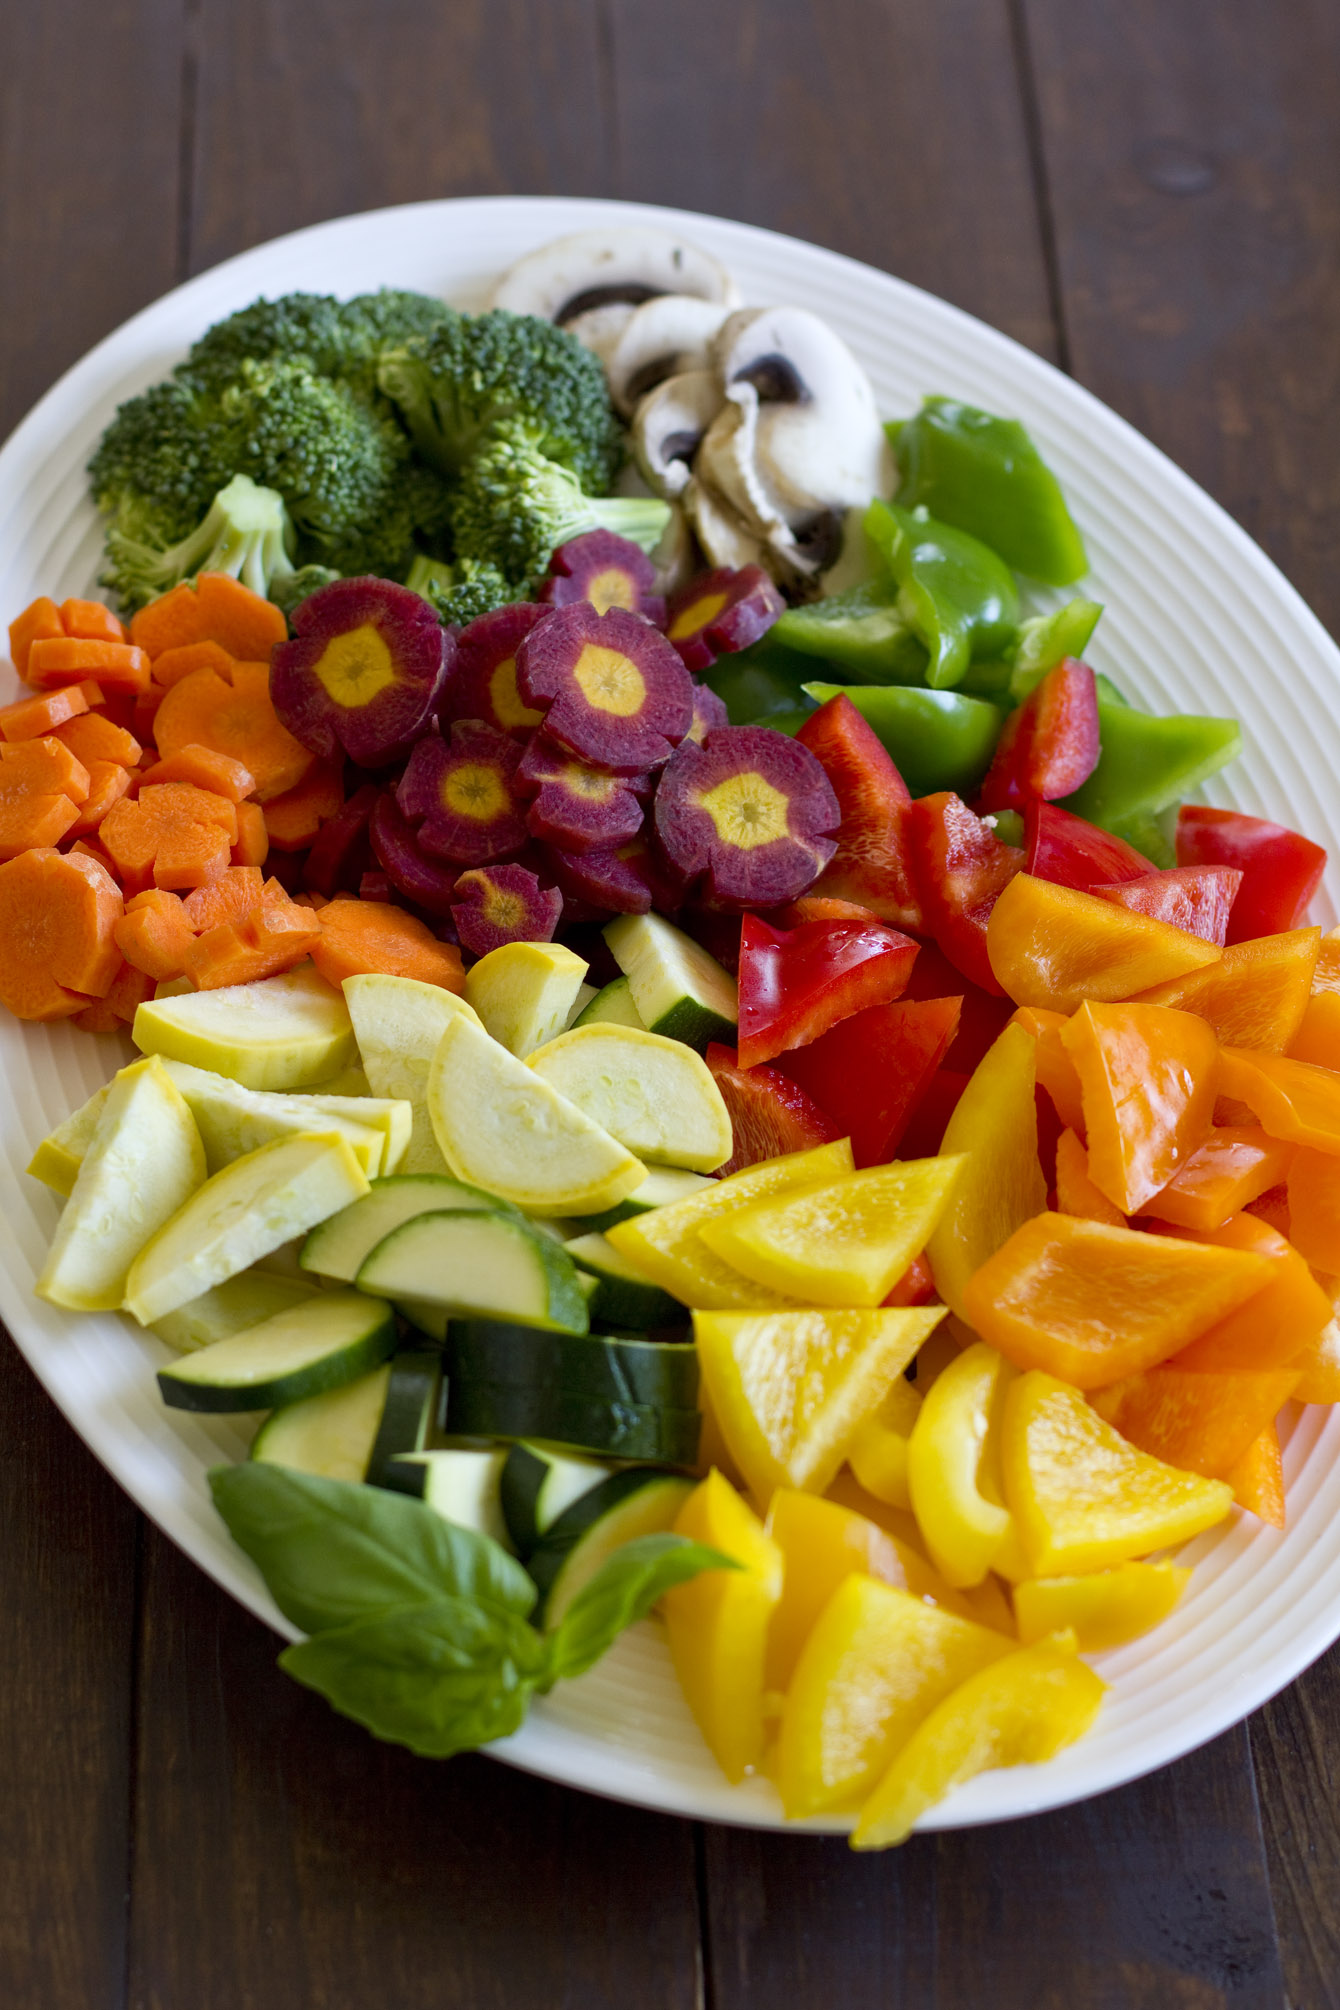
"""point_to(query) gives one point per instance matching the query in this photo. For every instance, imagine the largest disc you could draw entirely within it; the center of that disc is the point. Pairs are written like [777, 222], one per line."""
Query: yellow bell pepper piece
[953, 1472]
[1019, 1711]
[876, 1662]
[790, 1390]
[667, 1244]
[844, 1244]
[985, 1602]
[878, 1454]
[996, 1124]
[821, 1544]
[1083, 1499]
[718, 1624]
[1104, 1608]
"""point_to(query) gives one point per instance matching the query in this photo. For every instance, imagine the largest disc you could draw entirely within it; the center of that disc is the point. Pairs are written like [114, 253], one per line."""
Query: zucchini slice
[627, 1505]
[482, 1263]
[231, 1307]
[656, 1096]
[331, 1435]
[287, 1032]
[538, 1483]
[57, 1160]
[602, 1366]
[612, 1007]
[662, 1187]
[624, 1295]
[462, 1485]
[413, 1396]
[609, 1428]
[331, 1339]
[677, 988]
[337, 1247]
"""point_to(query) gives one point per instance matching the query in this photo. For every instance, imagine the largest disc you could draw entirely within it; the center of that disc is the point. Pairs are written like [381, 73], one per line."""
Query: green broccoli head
[245, 532]
[460, 592]
[455, 385]
[161, 461]
[514, 507]
[341, 339]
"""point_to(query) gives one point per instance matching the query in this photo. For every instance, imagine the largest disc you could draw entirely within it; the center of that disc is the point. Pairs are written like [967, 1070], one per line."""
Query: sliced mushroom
[676, 556]
[725, 537]
[666, 337]
[599, 328]
[573, 277]
[668, 426]
[807, 444]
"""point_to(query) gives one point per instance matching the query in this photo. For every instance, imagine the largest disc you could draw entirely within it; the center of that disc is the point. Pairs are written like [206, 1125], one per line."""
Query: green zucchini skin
[474, 1261]
[338, 1246]
[533, 1476]
[628, 1504]
[412, 1401]
[606, 1428]
[358, 1335]
[621, 1297]
[662, 1186]
[614, 1369]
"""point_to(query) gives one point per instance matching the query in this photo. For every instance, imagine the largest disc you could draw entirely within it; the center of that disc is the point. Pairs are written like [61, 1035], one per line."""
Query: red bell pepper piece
[1280, 870]
[797, 982]
[868, 1073]
[962, 869]
[983, 1018]
[1050, 745]
[1066, 850]
[926, 1128]
[1194, 897]
[872, 863]
[770, 1114]
[916, 1286]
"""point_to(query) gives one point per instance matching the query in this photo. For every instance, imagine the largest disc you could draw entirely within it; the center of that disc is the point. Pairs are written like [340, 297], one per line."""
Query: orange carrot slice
[45, 765]
[234, 893]
[90, 848]
[207, 769]
[171, 835]
[173, 664]
[358, 936]
[90, 621]
[117, 666]
[217, 609]
[268, 940]
[129, 989]
[32, 718]
[108, 781]
[145, 712]
[154, 934]
[39, 622]
[253, 839]
[57, 917]
[293, 819]
[235, 719]
[92, 738]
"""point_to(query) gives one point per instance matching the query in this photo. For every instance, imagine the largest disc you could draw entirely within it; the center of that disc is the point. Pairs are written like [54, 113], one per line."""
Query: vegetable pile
[828, 1161]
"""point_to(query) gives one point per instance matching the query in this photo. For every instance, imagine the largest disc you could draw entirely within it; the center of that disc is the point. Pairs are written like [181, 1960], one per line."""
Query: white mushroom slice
[663, 338]
[725, 537]
[599, 328]
[676, 556]
[668, 426]
[602, 268]
[809, 425]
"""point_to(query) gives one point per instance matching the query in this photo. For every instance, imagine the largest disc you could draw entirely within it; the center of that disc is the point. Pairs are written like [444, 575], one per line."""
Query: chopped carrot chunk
[117, 666]
[32, 718]
[39, 622]
[363, 935]
[57, 917]
[91, 621]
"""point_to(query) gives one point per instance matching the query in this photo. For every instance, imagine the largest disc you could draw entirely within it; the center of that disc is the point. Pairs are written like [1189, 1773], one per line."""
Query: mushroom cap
[668, 425]
[622, 265]
[665, 337]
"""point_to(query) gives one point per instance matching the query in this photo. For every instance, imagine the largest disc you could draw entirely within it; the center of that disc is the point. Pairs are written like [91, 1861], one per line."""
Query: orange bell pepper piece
[1236, 1164]
[1054, 946]
[1272, 1329]
[1075, 1191]
[1255, 996]
[1055, 1069]
[1314, 1207]
[1318, 1035]
[1257, 1479]
[1202, 1423]
[1319, 1368]
[1148, 1079]
[1091, 1304]
[1295, 1101]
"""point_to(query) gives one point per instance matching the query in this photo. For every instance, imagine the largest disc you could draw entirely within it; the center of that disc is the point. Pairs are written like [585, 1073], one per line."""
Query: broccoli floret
[245, 532]
[341, 339]
[161, 461]
[287, 592]
[514, 507]
[460, 592]
[454, 386]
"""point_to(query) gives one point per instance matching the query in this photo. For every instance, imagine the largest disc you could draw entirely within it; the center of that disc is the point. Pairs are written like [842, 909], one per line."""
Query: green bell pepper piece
[984, 475]
[1147, 835]
[938, 739]
[1047, 639]
[1148, 763]
[761, 682]
[954, 592]
[860, 631]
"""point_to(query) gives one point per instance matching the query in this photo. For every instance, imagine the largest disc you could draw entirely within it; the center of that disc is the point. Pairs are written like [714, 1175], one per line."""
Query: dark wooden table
[1145, 191]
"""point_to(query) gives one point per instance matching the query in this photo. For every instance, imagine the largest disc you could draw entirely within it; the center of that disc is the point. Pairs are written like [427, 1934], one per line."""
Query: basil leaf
[440, 1678]
[334, 1551]
[625, 1588]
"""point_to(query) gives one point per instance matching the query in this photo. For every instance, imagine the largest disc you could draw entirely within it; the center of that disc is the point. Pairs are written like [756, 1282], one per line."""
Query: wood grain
[285, 1858]
[1296, 1749]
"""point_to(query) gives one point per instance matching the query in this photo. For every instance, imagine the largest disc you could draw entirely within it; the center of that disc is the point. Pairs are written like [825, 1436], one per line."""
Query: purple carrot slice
[482, 683]
[616, 692]
[407, 866]
[460, 796]
[627, 879]
[709, 712]
[720, 612]
[364, 671]
[575, 806]
[609, 571]
[375, 886]
[341, 852]
[503, 903]
[750, 813]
